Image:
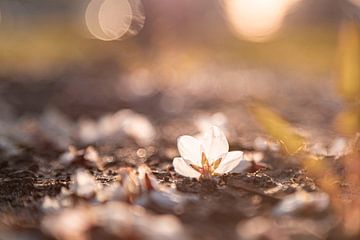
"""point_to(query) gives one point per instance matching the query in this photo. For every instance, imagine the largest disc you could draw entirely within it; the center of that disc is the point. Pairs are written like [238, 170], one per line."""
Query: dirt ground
[40, 119]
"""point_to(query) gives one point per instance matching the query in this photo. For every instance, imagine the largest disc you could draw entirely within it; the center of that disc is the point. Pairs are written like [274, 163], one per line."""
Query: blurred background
[171, 58]
[93, 56]
[285, 68]
[163, 58]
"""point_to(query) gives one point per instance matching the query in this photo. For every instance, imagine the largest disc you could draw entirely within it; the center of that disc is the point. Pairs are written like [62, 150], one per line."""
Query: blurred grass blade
[349, 61]
[348, 121]
[278, 128]
[293, 144]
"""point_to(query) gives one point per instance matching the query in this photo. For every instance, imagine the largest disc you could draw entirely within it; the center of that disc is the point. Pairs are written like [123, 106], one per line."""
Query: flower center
[206, 170]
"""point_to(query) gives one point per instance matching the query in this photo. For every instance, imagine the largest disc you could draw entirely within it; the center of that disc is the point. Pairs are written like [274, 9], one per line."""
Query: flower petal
[231, 161]
[184, 169]
[190, 149]
[242, 166]
[215, 144]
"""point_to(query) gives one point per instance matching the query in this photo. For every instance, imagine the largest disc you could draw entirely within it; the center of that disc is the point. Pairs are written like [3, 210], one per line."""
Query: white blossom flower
[206, 157]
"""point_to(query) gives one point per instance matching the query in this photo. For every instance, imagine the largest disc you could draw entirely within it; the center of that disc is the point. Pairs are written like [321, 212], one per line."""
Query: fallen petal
[302, 201]
[84, 184]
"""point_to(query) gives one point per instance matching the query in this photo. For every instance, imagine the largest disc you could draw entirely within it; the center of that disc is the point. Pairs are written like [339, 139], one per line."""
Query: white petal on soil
[256, 228]
[169, 199]
[260, 143]
[182, 168]
[91, 154]
[88, 131]
[189, 149]
[301, 201]
[124, 220]
[50, 204]
[56, 128]
[140, 128]
[130, 182]
[114, 192]
[231, 161]
[215, 144]
[69, 223]
[338, 147]
[84, 184]
[9, 147]
[69, 156]
[147, 180]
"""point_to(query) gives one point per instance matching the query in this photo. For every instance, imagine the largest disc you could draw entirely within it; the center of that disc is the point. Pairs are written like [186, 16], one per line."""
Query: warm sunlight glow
[356, 2]
[256, 20]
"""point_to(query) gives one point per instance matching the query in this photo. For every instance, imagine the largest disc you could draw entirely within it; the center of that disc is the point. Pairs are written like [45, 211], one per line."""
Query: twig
[251, 190]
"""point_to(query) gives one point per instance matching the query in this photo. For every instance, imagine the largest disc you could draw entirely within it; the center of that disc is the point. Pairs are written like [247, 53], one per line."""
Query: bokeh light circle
[256, 20]
[109, 20]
